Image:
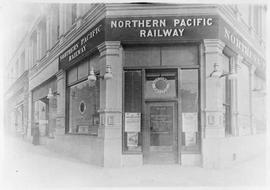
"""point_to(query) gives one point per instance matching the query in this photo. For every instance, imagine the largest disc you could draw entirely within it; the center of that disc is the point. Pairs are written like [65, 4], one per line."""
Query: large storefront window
[189, 99]
[243, 85]
[83, 108]
[132, 107]
[41, 116]
[19, 119]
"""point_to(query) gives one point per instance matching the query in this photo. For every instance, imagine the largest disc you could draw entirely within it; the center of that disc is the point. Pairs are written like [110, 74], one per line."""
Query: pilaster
[235, 128]
[110, 129]
[214, 127]
[251, 77]
[61, 103]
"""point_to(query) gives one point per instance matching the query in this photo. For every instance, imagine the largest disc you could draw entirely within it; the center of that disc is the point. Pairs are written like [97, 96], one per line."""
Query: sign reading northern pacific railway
[233, 40]
[162, 28]
[167, 29]
[83, 46]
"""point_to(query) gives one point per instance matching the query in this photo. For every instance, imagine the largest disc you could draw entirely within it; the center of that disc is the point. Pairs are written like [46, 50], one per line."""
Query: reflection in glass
[189, 97]
[83, 108]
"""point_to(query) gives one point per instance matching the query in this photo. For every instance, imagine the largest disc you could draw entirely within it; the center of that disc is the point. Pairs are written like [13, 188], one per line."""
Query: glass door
[160, 133]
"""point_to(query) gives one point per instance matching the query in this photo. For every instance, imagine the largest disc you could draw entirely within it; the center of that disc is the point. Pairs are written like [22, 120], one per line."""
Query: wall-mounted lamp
[52, 94]
[94, 75]
[219, 74]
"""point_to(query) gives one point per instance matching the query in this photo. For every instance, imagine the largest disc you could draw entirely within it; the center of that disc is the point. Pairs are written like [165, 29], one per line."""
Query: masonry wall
[224, 152]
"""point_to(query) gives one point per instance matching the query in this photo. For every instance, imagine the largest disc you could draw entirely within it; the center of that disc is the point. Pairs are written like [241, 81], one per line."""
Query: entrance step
[191, 159]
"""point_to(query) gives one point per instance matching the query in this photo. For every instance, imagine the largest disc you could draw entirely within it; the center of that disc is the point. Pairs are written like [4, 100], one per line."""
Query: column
[61, 103]
[251, 77]
[52, 121]
[110, 130]
[30, 116]
[235, 129]
[214, 127]
[25, 109]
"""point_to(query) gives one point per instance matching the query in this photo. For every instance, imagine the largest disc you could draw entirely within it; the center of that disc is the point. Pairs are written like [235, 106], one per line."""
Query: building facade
[131, 84]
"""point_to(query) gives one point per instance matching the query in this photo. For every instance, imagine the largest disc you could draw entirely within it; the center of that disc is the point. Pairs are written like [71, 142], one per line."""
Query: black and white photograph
[134, 94]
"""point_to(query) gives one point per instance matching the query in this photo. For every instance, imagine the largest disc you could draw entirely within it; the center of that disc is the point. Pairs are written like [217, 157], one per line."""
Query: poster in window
[132, 139]
[132, 122]
[190, 122]
[190, 138]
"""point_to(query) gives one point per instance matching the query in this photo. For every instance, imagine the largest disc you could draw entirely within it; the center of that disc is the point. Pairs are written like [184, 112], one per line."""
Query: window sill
[131, 153]
[82, 134]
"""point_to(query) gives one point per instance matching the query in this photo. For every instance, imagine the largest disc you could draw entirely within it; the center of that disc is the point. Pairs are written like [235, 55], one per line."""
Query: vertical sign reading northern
[162, 28]
[83, 46]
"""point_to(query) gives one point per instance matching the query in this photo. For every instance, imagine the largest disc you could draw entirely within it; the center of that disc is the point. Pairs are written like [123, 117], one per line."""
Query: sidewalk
[30, 167]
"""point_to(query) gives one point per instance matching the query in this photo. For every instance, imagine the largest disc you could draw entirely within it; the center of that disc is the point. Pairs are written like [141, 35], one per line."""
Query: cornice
[118, 10]
[213, 46]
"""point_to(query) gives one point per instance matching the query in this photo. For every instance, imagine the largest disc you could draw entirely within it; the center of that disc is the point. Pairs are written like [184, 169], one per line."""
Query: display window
[83, 108]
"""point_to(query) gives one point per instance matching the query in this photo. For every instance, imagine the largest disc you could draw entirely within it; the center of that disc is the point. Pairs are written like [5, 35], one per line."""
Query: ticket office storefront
[161, 102]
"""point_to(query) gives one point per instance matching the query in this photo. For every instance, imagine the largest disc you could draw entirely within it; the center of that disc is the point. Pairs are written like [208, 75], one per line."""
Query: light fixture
[51, 94]
[93, 76]
[219, 74]
[216, 73]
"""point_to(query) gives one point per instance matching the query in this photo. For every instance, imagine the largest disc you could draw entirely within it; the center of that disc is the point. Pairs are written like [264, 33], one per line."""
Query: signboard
[174, 28]
[157, 29]
[190, 122]
[83, 46]
[132, 122]
[190, 139]
[232, 39]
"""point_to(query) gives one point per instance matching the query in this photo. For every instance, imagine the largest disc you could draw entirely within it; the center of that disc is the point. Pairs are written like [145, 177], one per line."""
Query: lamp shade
[50, 94]
[92, 76]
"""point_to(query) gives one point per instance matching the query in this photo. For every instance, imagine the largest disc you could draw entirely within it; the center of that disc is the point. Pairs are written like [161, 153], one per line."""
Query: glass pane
[160, 84]
[189, 97]
[83, 107]
[161, 125]
[142, 56]
[132, 105]
[133, 91]
[179, 55]
[72, 76]
[83, 70]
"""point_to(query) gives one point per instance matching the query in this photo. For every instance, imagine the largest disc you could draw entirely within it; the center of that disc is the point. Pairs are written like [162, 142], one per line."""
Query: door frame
[146, 133]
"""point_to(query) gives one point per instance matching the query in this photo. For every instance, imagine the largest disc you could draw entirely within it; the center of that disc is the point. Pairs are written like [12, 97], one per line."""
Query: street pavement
[25, 166]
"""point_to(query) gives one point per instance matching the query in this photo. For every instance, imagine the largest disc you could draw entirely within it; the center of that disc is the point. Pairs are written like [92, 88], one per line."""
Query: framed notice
[132, 122]
[190, 138]
[132, 139]
[190, 122]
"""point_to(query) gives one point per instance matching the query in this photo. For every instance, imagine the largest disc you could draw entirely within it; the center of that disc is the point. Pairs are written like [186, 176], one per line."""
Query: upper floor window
[22, 64]
[73, 13]
[244, 10]
[17, 68]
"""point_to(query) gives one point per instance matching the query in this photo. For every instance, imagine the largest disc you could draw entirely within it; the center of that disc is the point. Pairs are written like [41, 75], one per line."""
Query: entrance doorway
[160, 133]
[164, 103]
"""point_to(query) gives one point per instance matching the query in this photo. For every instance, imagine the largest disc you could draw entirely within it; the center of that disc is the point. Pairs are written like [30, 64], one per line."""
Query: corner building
[131, 84]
